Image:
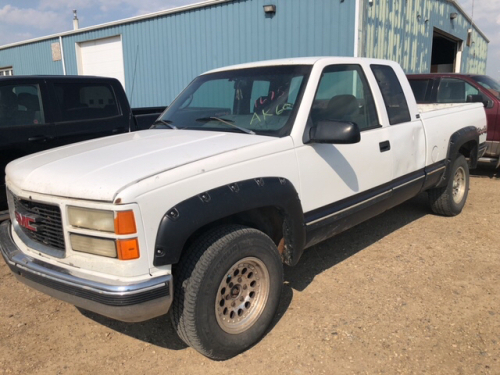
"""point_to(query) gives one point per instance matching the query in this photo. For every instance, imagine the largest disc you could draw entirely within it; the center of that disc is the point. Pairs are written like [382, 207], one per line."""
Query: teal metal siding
[172, 49]
[32, 58]
[167, 51]
[402, 30]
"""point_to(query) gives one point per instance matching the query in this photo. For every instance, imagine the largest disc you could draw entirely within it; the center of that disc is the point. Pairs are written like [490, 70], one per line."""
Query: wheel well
[468, 150]
[269, 220]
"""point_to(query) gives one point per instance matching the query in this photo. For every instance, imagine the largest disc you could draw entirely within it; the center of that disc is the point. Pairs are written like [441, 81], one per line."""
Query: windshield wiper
[162, 122]
[225, 121]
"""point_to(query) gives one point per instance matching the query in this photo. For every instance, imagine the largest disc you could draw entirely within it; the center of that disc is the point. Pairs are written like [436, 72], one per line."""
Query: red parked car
[462, 88]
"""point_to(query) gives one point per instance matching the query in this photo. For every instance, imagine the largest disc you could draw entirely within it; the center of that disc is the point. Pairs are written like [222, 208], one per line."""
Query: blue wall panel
[168, 51]
[33, 58]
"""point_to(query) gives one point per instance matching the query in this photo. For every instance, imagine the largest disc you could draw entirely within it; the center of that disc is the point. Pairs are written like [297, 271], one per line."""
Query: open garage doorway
[446, 53]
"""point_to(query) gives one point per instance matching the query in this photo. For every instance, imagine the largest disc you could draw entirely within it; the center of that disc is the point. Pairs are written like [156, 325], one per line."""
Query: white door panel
[329, 173]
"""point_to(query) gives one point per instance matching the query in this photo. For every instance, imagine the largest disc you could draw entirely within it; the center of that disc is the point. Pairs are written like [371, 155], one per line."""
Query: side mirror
[478, 99]
[334, 132]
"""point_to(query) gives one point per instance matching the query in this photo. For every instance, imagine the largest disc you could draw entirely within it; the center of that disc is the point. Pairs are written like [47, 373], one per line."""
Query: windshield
[260, 100]
[488, 83]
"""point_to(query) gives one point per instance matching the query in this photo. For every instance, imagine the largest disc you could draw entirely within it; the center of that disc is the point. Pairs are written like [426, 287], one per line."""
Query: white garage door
[102, 57]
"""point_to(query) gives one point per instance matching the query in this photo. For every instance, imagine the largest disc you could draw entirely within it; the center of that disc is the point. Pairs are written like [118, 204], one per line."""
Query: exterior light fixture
[453, 16]
[270, 9]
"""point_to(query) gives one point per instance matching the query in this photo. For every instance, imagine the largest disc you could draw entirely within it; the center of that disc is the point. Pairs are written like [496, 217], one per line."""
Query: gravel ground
[406, 292]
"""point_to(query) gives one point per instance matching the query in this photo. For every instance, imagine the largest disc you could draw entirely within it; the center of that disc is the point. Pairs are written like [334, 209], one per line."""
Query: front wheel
[227, 291]
[450, 200]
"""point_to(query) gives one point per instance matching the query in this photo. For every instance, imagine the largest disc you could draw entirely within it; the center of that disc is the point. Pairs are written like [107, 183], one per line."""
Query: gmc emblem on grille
[25, 221]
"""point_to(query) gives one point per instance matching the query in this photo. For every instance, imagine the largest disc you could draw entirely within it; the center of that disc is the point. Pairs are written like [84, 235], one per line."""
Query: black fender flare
[457, 140]
[186, 217]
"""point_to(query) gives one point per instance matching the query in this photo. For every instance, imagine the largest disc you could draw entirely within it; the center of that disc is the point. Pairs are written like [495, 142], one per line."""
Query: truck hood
[99, 168]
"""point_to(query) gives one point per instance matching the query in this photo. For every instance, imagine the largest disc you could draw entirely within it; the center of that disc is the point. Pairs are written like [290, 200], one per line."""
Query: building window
[7, 71]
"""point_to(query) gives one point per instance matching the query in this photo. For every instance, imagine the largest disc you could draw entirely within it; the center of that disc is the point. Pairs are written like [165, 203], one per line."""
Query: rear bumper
[128, 303]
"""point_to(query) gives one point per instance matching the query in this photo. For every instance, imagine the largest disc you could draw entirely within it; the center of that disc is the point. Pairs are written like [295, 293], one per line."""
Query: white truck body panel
[440, 121]
[113, 163]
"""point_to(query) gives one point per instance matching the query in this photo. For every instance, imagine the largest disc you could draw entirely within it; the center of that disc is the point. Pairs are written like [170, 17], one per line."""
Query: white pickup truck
[251, 165]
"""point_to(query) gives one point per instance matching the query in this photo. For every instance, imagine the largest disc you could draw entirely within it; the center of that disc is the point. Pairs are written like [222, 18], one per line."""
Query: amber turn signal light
[125, 222]
[128, 249]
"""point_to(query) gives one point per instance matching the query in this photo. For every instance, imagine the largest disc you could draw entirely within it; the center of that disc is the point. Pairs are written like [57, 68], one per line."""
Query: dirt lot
[407, 292]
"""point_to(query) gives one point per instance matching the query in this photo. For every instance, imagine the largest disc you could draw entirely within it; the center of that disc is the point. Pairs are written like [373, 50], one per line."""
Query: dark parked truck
[464, 88]
[42, 112]
[248, 167]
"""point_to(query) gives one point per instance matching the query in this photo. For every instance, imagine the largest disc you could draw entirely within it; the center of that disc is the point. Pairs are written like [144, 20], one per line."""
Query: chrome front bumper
[129, 303]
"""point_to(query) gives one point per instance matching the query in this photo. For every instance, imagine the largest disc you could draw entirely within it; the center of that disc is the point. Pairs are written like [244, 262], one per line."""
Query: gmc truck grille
[40, 222]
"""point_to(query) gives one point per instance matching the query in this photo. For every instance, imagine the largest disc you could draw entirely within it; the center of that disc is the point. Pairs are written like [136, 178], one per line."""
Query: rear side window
[21, 105]
[83, 101]
[392, 92]
[421, 88]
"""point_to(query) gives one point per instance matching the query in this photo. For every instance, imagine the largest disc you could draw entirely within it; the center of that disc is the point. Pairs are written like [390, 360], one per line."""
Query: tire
[450, 200]
[227, 290]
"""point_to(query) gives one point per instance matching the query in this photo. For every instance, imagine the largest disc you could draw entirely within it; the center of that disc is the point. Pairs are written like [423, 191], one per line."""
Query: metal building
[156, 55]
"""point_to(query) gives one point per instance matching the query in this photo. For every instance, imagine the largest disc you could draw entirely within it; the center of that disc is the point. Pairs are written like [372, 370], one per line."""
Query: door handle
[385, 146]
[38, 138]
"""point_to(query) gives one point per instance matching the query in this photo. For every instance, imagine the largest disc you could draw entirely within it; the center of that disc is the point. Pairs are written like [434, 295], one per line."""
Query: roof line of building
[464, 13]
[180, 9]
[184, 8]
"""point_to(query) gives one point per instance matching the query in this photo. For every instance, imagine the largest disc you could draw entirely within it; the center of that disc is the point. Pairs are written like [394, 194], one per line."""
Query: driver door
[341, 182]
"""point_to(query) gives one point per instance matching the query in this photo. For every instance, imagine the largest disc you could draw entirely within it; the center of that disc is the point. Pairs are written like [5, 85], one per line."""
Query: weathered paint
[174, 48]
[402, 30]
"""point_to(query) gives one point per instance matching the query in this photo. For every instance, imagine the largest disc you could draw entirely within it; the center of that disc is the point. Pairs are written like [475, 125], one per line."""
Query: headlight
[92, 219]
[93, 245]
[119, 222]
[105, 221]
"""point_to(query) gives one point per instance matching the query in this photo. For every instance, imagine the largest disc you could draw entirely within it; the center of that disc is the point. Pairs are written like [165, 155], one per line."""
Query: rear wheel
[450, 200]
[227, 291]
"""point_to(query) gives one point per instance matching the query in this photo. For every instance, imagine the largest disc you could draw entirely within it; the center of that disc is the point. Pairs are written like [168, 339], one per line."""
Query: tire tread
[441, 199]
[190, 270]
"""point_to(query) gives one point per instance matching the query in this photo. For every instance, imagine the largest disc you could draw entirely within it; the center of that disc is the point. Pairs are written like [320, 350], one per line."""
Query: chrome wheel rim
[459, 185]
[242, 295]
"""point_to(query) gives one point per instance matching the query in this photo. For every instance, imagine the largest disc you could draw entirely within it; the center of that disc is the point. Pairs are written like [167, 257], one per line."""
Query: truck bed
[424, 108]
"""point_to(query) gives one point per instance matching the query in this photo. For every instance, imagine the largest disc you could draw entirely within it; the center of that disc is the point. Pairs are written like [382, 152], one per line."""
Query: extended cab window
[83, 101]
[392, 92]
[452, 90]
[21, 105]
[343, 95]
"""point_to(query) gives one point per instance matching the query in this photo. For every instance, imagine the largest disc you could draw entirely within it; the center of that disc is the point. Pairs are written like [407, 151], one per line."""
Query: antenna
[133, 84]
